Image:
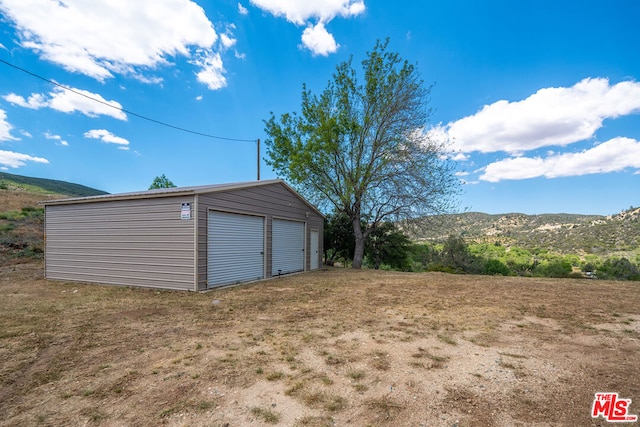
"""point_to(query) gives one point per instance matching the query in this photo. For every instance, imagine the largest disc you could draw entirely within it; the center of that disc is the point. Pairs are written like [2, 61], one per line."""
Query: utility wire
[122, 109]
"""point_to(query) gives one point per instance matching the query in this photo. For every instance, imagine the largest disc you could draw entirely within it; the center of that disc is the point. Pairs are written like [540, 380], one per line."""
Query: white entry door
[315, 250]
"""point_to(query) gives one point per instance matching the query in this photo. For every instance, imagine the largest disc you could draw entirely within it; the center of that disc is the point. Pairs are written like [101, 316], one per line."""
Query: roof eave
[177, 192]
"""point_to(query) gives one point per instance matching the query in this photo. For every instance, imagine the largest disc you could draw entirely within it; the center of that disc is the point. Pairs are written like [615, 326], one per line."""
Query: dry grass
[326, 348]
[15, 199]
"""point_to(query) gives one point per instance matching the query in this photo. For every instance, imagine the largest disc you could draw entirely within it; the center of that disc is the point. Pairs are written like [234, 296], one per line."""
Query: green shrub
[496, 267]
[441, 268]
[556, 268]
[620, 269]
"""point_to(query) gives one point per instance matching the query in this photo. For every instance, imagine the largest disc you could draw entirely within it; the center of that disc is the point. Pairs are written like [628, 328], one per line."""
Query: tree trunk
[358, 253]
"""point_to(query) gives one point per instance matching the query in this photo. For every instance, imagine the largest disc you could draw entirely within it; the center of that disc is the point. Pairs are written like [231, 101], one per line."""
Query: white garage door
[235, 247]
[287, 247]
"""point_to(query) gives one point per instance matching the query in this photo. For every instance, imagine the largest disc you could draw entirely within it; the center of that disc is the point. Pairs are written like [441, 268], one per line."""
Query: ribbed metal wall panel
[130, 242]
[287, 247]
[235, 246]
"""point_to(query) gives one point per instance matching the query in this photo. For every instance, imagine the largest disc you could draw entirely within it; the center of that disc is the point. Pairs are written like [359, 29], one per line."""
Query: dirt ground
[330, 348]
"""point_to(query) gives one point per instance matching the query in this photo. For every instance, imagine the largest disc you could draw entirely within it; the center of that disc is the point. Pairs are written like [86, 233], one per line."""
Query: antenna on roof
[258, 141]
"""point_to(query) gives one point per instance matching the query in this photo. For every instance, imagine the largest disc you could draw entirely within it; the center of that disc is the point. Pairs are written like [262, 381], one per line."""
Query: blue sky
[539, 101]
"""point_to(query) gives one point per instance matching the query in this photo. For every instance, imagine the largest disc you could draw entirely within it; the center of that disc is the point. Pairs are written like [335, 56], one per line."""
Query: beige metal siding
[142, 242]
[271, 200]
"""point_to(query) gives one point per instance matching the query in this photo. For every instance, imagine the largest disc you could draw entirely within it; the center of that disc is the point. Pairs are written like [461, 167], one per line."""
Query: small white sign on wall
[185, 211]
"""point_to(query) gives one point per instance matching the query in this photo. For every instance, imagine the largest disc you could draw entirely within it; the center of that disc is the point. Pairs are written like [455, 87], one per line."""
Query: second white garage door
[287, 247]
[235, 248]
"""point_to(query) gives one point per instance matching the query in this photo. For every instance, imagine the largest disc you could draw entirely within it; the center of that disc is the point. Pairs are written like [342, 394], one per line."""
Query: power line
[140, 116]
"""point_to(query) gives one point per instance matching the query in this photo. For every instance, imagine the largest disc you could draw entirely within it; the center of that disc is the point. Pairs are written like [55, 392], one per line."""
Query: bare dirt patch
[334, 347]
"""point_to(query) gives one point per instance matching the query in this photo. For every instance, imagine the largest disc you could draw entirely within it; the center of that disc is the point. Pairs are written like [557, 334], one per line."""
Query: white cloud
[5, 128]
[56, 138]
[242, 10]
[459, 157]
[315, 36]
[318, 40]
[107, 137]
[299, 12]
[550, 117]
[227, 40]
[148, 79]
[614, 155]
[15, 160]
[34, 102]
[212, 73]
[199, 98]
[68, 102]
[100, 38]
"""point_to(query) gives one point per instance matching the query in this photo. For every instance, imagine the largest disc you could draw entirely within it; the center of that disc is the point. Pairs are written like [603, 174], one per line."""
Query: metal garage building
[187, 238]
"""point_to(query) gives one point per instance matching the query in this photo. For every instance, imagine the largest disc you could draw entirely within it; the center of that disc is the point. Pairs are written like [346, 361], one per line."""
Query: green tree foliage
[423, 256]
[557, 267]
[588, 267]
[161, 182]
[387, 244]
[495, 267]
[359, 147]
[339, 241]
[488, 250]
[618, 268]
[457, 257]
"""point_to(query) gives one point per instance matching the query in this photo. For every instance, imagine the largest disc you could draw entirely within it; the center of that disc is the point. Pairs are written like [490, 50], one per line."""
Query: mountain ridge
[564, 233]
[50, 185]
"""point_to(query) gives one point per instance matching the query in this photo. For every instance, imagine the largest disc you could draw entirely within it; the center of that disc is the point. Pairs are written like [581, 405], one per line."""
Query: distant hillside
[564, 233]
[48, 185]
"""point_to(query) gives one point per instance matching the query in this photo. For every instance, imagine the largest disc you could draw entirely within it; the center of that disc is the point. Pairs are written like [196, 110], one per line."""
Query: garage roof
[179, 191]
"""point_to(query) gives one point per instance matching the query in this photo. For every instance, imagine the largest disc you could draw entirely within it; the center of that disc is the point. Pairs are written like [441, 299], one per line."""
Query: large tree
[360, 146]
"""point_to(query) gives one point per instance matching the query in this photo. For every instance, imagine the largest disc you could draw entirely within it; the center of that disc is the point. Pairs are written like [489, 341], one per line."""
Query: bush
[441, 268]
[496, 267]
[619, 268]
[555, 268]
